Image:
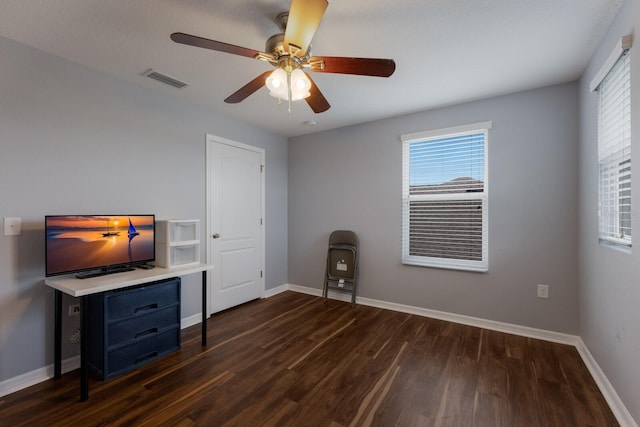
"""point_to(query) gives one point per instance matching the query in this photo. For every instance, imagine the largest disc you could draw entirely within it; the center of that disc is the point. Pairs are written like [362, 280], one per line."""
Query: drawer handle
[146, 307]
[147, 332]
[146, 357]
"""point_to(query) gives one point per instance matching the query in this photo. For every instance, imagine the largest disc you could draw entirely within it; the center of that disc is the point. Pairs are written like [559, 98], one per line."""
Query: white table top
[93, 285]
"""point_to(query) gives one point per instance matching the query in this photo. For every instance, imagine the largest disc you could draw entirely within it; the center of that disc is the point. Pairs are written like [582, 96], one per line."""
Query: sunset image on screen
[76, 243]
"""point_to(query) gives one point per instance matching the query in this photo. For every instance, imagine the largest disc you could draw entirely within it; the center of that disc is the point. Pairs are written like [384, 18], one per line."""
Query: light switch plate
[12, 226]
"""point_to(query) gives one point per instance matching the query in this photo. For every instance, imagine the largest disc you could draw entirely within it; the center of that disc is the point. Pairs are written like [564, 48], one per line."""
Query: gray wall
[609, 293]
[77, 141]
[351, 178]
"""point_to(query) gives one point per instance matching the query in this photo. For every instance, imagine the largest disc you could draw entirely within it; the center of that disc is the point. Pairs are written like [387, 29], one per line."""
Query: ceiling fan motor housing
[282, 58]
[275, 45]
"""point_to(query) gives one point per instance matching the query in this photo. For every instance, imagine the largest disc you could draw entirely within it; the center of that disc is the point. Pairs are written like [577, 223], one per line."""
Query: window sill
[625, 249]
[477, 268]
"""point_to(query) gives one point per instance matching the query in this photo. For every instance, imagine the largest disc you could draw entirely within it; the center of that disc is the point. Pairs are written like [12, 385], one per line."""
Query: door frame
[214, 139]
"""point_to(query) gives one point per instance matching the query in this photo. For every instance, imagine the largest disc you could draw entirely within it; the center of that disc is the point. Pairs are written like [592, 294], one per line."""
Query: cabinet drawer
[143, 326]
[143, 351]
[140, 300]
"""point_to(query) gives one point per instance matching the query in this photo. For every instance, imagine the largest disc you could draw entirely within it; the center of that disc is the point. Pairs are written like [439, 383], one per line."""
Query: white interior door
[235, 222]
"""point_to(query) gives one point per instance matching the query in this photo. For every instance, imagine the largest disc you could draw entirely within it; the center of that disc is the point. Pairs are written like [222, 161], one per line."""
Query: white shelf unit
[177, 242]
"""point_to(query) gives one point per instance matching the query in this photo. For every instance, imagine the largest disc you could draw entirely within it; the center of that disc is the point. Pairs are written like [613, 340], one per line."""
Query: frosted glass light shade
[300, 85]
[277, 84]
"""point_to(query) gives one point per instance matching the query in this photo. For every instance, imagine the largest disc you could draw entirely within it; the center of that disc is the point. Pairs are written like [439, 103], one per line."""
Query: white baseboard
[509, 328]
[191, 320]
[310, 291]
[275, 291]
[36, 376]
[611, 396]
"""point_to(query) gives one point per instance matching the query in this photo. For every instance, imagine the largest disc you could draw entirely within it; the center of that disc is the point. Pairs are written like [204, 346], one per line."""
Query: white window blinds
[445, 198]
[614, 154]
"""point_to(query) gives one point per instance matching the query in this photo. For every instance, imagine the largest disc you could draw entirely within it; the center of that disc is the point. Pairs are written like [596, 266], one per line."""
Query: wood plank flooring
[294, 360]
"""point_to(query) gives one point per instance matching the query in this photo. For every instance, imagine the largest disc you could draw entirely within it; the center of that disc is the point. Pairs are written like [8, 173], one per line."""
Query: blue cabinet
[134, 326]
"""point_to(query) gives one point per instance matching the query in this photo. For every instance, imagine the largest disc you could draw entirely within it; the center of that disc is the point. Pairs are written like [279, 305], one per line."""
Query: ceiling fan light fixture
[280, 84]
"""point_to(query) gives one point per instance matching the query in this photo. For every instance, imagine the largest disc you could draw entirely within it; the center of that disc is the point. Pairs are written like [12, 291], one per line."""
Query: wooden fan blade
[316, 100]
[246, 90]
[196, 41]
[359, 66]
[302, 23]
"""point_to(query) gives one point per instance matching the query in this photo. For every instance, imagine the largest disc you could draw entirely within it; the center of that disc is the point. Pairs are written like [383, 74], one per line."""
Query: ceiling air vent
[163, 78]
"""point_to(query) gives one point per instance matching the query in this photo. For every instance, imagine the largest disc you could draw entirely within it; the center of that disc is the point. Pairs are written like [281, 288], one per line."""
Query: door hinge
[261, 168]
[260, 221]
[261, 273]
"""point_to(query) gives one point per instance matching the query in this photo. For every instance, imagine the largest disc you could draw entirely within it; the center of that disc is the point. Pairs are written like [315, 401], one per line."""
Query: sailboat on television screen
[132, 230]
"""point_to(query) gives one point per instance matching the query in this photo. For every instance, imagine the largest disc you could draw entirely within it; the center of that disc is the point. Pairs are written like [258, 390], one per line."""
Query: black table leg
[204, 307]
[84, 347]
[57, 342]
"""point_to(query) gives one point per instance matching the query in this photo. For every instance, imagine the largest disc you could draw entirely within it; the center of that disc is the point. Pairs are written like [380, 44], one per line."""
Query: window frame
[612, 150]
[483, 196]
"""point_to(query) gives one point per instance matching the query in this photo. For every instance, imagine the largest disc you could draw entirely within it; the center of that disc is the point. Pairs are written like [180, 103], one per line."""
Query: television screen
[106, 243]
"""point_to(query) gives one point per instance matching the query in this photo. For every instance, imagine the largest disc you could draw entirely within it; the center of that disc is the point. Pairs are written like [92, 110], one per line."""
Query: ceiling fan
[290, 53]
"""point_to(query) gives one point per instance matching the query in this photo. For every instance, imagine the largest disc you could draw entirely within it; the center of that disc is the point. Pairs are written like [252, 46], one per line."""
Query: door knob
[216, 236]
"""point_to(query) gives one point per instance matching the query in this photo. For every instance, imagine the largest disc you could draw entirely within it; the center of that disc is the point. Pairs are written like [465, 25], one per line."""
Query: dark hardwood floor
[293, 360]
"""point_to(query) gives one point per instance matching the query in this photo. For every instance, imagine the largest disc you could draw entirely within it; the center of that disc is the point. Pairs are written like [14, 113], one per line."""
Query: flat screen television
[93, 245]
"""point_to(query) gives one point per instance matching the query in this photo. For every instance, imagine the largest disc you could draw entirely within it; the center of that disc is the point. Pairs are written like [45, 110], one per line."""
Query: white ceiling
[446, 51]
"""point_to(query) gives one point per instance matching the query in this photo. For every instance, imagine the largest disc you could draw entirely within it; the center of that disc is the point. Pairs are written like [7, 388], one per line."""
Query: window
[444, 192]
[614, 152]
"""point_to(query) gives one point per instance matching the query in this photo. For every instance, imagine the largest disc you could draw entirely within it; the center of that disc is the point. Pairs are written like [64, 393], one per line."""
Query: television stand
[104, 272]
[82, 289]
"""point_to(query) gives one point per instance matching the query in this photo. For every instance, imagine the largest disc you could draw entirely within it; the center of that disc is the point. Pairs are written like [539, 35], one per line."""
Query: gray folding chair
[342, 264]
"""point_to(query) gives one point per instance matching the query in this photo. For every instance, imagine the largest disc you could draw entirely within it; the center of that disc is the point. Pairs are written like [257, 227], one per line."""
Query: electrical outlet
[74, 309]
[543, 291]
